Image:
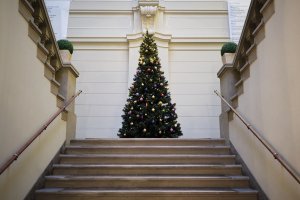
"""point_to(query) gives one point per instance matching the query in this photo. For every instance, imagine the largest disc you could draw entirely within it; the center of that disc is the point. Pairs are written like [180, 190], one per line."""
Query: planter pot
[228, 58]
[65, 56]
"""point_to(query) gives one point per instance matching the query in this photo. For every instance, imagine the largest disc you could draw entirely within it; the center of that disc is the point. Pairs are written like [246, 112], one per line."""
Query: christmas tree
[149, 112]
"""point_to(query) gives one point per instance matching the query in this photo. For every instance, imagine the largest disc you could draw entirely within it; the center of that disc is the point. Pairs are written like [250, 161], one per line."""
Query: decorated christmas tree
[149, 112]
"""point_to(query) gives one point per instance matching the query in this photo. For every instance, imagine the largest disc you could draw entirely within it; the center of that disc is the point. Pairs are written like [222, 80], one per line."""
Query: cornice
[98, 39]
[224, 12]
[148, 2]
[72, 69]
[176, 39]
[162, 40]
[73, 12]
[134, 36]
[181, 12]
[223, 69]
[159, 36]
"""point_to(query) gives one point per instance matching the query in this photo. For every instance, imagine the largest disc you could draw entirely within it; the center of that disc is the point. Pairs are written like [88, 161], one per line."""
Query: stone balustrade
[62, 76]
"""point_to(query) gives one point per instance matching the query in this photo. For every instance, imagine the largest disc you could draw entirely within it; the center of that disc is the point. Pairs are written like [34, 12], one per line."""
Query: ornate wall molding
[148, 18]
[148, 10]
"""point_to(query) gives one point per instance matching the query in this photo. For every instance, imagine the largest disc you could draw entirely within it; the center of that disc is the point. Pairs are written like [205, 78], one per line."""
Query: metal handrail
[262, 140]
[15, 156]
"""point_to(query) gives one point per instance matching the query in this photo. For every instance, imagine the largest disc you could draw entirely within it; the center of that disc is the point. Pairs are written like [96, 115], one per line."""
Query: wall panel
[192, 81]
[201, 25]
[103, 79]
[97, 25]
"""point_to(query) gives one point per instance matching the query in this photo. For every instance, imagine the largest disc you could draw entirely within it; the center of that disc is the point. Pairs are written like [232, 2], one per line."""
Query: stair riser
[146, 197]
[176, 151]
[147, 171]
[147, 183]
[163, 160]
[163, 142]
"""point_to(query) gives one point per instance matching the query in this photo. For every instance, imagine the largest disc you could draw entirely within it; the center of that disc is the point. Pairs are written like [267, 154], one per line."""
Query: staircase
[147, 169]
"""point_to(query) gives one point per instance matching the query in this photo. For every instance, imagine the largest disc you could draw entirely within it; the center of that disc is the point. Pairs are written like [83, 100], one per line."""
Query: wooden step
[147, 182]
[192, 150]
[149, 142]
[156, 194]
[69, 169]
[147, 169]
[146, 159]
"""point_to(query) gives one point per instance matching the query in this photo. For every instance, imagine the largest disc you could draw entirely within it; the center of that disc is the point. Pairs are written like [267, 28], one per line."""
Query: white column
[159, 20]
[162, 41]
[137, 26]
[134, 42]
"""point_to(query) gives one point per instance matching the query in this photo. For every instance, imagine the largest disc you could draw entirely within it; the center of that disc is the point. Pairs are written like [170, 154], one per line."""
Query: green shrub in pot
[228, 47]
[65, 45]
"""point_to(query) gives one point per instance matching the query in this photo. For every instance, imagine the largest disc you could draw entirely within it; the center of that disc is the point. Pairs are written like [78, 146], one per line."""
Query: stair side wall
[270, 102]
[26, 103]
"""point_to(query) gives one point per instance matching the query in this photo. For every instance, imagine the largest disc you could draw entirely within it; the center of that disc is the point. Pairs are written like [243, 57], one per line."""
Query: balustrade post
[228, 76]
[66, 76]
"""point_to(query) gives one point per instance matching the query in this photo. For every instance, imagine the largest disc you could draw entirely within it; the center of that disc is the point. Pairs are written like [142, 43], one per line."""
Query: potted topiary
[66, 50]
[228, 52]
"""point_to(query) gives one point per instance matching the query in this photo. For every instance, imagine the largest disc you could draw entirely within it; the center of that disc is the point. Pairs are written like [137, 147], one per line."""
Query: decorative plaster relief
[148, 10]
[148, 15]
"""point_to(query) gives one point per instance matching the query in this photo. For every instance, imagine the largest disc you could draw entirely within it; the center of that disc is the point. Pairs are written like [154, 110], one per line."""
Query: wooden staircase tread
[147, 194]
[148, 166]
[149, 159]
[162, 177]
[175, 191]
[148, 169]
[146, 155]
[147, 147]
[148, 142]
[102, 149]
[148, 139]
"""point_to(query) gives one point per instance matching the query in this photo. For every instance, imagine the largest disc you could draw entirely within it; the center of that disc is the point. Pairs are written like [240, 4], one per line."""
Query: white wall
[197, 25]
[270, 103]
[26, 103]
[106, 36]
[192, 89]
[103, 79]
